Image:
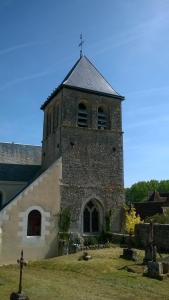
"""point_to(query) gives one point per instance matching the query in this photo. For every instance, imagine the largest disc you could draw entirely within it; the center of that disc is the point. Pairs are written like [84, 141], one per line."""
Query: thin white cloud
[25, 78]
[149, 121]
[145, 31]
[21, 46]
[33, 76]
[152, 90]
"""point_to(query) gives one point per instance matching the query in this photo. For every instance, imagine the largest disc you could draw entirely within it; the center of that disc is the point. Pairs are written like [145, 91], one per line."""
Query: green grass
[101, 278]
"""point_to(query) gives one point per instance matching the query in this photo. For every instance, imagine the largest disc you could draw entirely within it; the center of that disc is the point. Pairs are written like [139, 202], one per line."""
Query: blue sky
[127, 40]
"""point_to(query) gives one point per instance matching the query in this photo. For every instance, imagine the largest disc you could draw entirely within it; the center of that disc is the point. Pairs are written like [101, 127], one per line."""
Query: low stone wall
[161, 235]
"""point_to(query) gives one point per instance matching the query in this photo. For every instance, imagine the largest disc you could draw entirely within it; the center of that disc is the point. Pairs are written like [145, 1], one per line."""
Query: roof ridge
[71, 70]
[18, 144]
[60, 85]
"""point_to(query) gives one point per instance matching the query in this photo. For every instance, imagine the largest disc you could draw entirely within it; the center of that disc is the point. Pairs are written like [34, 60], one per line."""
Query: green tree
[159, 218]
[163, 186]
[139, 191]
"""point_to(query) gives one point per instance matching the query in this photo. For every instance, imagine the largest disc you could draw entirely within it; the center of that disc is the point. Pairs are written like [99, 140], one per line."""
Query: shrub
[64, 220]
[90, 240]
[159, 218]
[106, 236]
[65, 236]
[131, 219]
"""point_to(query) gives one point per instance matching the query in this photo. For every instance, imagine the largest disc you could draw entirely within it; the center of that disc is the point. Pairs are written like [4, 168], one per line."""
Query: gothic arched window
[102, 122]
[82, 115]
[34, 223]
[91, 218]
[1, 199]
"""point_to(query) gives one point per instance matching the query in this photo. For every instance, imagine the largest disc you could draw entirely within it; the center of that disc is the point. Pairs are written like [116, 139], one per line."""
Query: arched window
[102, 118]
[1, 199]
[82, 115]
[34, 223]
[91, 218]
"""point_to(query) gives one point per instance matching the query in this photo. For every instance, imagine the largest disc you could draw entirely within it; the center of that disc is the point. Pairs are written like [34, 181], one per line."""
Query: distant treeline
[140, 191]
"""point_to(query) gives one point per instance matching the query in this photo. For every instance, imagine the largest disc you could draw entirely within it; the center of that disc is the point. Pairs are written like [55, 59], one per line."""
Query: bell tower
[82, 124]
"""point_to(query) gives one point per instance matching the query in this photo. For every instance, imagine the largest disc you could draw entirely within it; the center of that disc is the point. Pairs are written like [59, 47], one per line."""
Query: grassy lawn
[101, 278]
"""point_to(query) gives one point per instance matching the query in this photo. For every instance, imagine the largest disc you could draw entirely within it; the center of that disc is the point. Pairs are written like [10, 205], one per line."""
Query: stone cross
[21, 263]
[19, 295]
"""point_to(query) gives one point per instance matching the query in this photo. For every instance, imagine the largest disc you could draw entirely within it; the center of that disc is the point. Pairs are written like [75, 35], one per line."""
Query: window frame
[95, 206]
[102, 118]
[45, 224]
[30, 221]
[82, 115]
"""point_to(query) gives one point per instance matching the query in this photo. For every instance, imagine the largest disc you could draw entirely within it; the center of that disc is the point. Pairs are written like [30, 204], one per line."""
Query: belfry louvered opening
[82, 115]
[102, 118]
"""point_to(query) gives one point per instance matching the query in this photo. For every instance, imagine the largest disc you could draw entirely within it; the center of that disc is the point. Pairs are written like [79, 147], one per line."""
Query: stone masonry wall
[51, 145]
[12, 153]
[161, 235]
[92, 158]
[42, 194]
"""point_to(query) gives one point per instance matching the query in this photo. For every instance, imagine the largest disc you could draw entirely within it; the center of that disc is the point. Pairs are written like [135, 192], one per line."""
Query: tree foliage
[108, 220]
[159, 218]
[131, 219]
[64, 220]
[139, 191]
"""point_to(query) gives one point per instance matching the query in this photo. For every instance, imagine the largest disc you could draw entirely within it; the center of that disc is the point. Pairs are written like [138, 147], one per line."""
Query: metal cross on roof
[81, 45]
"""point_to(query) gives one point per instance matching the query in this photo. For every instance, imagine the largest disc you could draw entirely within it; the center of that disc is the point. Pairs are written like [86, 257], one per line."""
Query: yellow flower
[131, 219]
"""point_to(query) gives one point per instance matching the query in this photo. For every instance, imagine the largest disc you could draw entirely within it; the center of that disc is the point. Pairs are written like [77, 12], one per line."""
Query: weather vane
[81, 45]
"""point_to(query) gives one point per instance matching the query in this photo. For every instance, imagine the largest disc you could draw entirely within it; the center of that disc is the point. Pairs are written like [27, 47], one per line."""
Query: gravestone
[155, 270]
[165, 262]
[150, 249]
[129, 253]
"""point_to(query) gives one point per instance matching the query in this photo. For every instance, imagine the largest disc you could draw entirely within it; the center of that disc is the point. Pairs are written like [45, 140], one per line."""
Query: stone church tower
[82, 124]
[81, 168]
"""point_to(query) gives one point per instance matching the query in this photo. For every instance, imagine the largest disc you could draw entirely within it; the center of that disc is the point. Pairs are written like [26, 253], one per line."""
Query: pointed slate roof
[85, 76]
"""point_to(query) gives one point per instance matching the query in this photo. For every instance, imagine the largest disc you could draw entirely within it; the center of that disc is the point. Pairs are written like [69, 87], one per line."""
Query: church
[79, 167]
